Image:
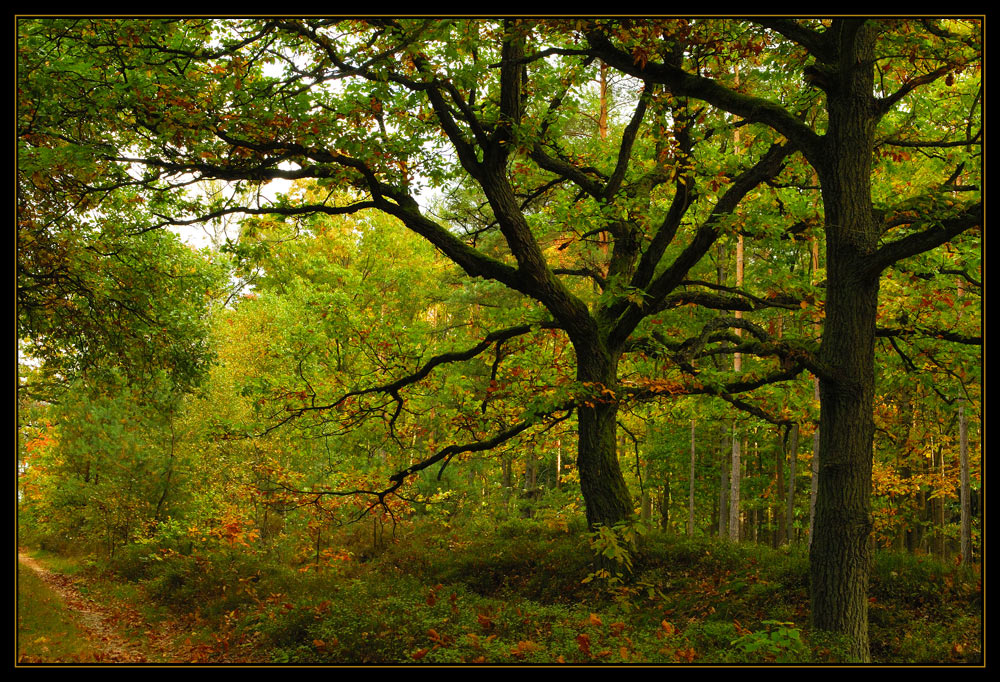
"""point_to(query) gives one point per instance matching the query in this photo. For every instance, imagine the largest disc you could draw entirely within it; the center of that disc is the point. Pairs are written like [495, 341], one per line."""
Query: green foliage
[615, 546]
[779, 640]
[615, 549]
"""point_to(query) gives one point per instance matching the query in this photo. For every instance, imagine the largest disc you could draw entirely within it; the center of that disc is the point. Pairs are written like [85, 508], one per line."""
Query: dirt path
[105, 625]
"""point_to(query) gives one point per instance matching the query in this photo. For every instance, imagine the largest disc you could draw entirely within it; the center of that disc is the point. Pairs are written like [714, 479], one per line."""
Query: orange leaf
[525, 647]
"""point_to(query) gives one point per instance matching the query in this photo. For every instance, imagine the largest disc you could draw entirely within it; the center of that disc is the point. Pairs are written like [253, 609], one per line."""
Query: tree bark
[966, 518]
[781, 532]
[734, 488]
[941, 543]
[793, 450]
[691, 484]
[840, 554]
[605, 493]
[735, 467]
[724, 461]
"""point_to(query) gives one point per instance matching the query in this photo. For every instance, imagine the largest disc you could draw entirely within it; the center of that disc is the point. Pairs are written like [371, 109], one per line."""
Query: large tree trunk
[605, 493]
[840, 555]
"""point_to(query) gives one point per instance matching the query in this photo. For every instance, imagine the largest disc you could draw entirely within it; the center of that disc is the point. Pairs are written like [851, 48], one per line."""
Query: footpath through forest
[116, 632]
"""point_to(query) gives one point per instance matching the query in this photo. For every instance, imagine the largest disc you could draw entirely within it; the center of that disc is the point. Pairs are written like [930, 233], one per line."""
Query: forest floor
[518, 595]
[102, 625]
[62, 621]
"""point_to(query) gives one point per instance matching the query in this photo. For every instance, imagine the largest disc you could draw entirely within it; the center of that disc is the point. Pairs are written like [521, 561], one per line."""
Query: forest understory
[524, 592]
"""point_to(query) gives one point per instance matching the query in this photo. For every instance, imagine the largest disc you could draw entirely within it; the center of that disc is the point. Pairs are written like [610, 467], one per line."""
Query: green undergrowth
[523, 591]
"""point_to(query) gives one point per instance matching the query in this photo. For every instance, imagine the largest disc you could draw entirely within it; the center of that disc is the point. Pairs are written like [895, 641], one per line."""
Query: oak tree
[865, 69]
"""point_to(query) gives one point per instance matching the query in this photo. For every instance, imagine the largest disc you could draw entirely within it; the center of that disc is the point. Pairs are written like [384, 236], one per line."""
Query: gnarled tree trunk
[604, 490]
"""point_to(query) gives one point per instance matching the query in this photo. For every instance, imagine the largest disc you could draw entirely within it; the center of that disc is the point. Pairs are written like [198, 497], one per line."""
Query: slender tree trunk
[965, 520]
[923, 511]
[665, 503]
[735, 466]
[558, 462]
[781, 535]
[963, 453]
[646, 502]
[813, 481]
[725, 460]
[814, 466]
[734, 488]
[756, 516]
[530, 490]
[691, 484]
[942, 542]
[602, 116]
[793, 450]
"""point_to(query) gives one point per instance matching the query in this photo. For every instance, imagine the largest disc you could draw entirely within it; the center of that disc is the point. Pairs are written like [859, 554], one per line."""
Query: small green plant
[614, 548]
[780, 642]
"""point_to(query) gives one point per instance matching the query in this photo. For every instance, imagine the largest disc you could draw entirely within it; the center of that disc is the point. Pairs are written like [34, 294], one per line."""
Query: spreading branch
[911, 245]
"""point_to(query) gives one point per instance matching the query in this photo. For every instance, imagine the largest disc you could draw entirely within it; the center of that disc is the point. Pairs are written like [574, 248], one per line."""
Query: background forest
[539, 341]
